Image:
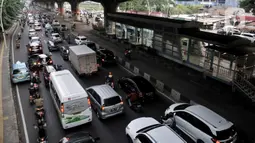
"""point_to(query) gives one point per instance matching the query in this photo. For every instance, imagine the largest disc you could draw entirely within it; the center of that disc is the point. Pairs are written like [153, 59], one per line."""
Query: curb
[162, 89]
[15, 127]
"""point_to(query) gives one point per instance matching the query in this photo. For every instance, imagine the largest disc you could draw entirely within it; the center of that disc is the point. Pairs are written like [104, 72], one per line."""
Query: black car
[64, 52]
[46, 74]
[137, 84]
[51, 46]
[63, 27]
[34, 62]
[105, 57]
[79, 137]
[91, 45]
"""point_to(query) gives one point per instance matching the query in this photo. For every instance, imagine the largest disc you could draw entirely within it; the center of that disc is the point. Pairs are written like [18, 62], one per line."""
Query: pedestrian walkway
[191, 84]
[8, 119]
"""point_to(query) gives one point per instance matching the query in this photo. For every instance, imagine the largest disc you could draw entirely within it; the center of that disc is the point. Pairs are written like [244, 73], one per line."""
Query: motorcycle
[137, 107]
[127, 54]
[17, 44]
[36, 87]
[32, 98]
[42, 137]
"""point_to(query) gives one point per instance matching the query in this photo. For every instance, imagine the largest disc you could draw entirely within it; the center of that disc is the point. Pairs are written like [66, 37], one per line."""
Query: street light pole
[2, 25]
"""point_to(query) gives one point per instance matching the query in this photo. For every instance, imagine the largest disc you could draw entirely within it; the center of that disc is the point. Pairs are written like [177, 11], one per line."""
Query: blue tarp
[19, 65]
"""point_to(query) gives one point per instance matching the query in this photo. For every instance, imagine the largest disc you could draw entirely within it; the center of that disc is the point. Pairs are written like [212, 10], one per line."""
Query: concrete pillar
[61, 8]
[75, 10]
[109, 7]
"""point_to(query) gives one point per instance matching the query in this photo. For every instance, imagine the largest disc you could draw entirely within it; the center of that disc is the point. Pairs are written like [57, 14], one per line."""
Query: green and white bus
[70, 99]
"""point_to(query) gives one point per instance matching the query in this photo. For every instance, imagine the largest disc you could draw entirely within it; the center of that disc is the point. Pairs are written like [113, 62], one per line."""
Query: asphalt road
[111, 130]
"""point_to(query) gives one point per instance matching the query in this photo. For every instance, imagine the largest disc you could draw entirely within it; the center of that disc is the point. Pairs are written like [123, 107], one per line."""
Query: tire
[129, 139]
[199, 141]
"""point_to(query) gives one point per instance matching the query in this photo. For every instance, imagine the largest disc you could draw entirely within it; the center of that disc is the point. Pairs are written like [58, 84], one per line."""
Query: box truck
[83, 59]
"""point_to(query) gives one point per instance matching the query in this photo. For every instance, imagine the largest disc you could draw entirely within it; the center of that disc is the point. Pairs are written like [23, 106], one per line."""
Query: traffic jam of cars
[75, 104]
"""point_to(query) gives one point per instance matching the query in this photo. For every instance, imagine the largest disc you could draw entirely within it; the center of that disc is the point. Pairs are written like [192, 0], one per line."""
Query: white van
[70, 99]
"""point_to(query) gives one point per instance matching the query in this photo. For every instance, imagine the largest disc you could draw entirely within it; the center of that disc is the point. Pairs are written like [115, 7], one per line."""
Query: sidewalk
[9, 130]
[191, 84]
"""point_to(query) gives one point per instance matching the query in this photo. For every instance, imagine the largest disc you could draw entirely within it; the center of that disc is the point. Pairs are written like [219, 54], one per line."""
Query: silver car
[105, 101]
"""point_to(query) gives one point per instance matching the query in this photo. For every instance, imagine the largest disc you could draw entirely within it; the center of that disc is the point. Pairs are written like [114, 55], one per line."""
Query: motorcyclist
[31, 89]
[132, 97]
[41, 132]
[19, 35]
[109, 78]
[35, 78]
[39, 104]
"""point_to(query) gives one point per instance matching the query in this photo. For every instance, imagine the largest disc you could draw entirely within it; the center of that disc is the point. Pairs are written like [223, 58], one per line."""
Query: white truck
[83, 59]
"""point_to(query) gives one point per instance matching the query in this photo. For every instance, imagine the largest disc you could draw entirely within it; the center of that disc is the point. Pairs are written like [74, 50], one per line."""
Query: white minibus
[70, 99]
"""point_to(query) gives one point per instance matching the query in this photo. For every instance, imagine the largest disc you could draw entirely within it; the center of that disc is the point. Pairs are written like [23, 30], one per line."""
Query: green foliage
[248, 5]
[11, 9]
[165, 6]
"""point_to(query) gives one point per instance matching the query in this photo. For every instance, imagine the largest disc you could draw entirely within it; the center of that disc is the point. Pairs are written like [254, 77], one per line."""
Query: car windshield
[182, 107]
[31, 31]
[75, 106]
[108, 53]
[16, 71]
[35, 40]
[226, 134]
[112, 101]
[56, 35]
[142, 84]
[83, 39]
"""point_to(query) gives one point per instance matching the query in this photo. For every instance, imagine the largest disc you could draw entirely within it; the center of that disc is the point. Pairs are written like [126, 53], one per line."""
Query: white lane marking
[18, 95]
[45, 41]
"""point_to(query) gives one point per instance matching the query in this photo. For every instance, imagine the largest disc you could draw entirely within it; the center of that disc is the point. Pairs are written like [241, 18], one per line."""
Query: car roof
[207, 115]
[50, 68]
[53, 34]
[43, 56]
[82, 37]
[31, 29]
[164, 134]
[35, 38]
[19, 65]
[104, 91]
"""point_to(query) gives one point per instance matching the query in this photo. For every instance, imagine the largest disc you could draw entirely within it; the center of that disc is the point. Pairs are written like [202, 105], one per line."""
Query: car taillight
[102, 60]
[34, 63]
[102, 107]
[51, 61]
[122, 102]
[215, 140]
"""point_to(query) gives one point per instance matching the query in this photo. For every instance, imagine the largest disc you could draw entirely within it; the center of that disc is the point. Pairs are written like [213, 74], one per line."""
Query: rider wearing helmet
[35, 78]
[31, 89]
[39, 103]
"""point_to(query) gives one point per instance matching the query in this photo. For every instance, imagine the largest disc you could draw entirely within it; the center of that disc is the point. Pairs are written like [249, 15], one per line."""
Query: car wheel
[200, 141]
[129, 139]
[98, 115]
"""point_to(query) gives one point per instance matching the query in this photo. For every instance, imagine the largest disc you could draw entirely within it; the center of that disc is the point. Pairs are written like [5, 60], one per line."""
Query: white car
[38, 27]
[55, 22]
[31, 21]
[200, 123]
[56, 38]
[45, 60]
[79, 40]
[149, 130]
[31, 33]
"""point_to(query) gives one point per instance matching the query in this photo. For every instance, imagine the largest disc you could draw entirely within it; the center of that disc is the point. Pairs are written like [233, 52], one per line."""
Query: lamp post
[2, 25]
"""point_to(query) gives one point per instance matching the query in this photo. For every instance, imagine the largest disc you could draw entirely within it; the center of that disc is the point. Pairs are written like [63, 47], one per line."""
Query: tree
[11, 10]
[248, 5]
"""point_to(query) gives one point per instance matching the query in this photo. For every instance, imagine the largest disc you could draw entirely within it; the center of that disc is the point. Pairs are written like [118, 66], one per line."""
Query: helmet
[110, 73]
[34, 74]
[31, 84]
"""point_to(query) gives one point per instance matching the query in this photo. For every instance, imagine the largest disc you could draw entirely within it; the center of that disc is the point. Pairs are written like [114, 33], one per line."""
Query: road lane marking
[18, 95]
[45, 41]
[1, 92]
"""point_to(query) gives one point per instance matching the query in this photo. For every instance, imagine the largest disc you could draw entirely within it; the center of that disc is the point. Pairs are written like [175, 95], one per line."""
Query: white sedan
[79, 40]
[38, 27]
[150, 130]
